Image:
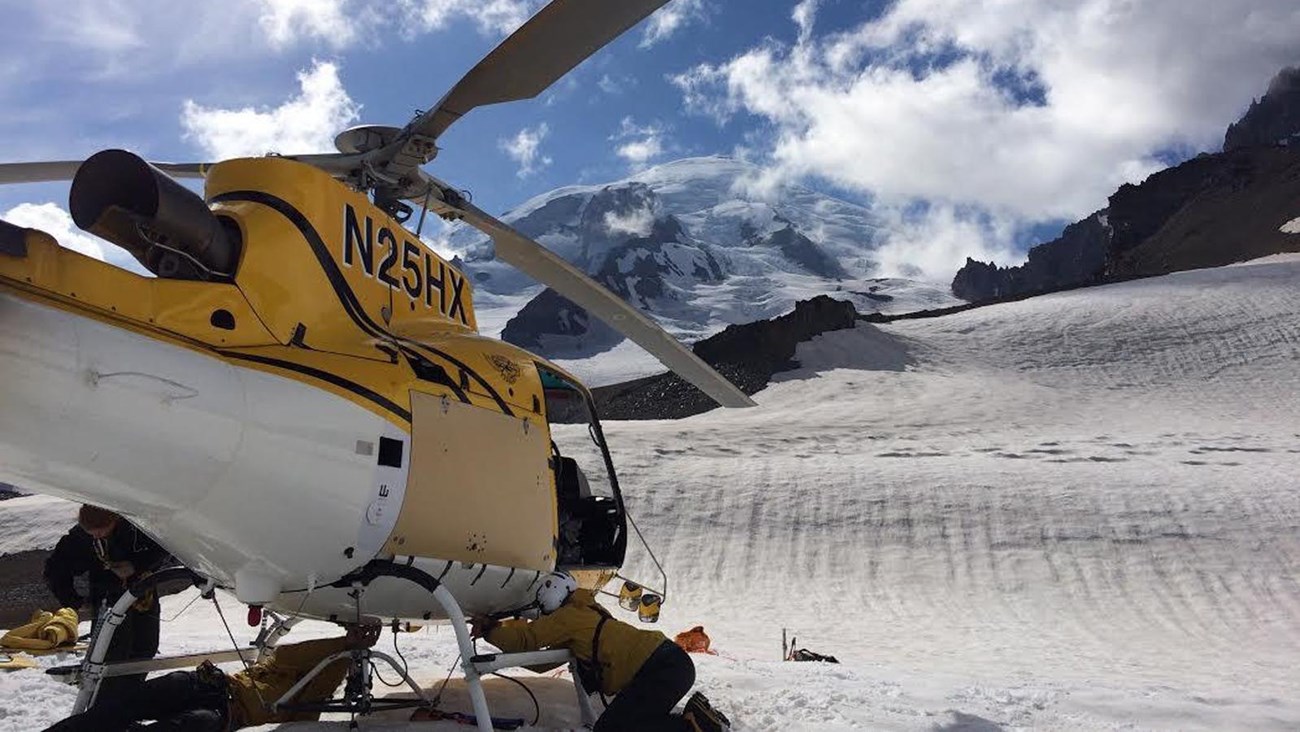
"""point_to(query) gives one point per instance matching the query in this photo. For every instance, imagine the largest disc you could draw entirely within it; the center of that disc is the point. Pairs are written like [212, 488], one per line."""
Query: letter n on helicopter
[403, 266]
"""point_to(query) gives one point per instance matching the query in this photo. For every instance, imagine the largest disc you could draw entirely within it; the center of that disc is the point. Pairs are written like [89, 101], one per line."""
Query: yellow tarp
[13, 663]
[46, 631]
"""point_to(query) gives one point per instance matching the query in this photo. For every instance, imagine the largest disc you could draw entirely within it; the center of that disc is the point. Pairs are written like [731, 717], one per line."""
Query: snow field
[1075, 512]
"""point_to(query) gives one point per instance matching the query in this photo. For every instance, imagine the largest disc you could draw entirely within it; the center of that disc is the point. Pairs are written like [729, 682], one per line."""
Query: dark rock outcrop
[1273, 119]
[22, 587]
[1076, 257]
[552, 314]
[1208, 212]
[1212, 210]
[804, 252]
[638, 270]
[748, 355]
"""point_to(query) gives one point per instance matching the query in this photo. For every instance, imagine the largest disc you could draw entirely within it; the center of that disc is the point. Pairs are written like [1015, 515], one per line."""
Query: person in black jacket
[112, 553]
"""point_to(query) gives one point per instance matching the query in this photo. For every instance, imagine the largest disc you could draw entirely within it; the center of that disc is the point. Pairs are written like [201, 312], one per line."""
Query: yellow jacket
[254, 690]
[45, 631]
[623, 648]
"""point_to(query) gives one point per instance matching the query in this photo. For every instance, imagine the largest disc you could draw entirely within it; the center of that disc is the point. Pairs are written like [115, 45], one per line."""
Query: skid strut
[93, 669]
[472, 665]
[358, 697]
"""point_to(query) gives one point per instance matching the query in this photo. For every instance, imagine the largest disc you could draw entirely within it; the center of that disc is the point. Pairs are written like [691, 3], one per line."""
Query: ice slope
[1075, 512]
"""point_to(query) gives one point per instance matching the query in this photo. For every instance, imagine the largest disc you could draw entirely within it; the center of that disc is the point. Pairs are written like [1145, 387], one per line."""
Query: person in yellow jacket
[645, 672]
[207, 700]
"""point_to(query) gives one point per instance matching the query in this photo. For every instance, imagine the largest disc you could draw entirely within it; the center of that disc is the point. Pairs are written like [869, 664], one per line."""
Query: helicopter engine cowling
[167, 227]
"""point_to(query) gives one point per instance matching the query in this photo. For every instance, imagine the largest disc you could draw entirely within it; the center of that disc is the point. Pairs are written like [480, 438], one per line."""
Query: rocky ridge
[1212, 210]
[748, 355]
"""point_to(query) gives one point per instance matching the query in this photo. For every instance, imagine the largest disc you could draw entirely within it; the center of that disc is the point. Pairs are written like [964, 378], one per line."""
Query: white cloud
[129, 38]
[525, 149]
[933, 244]
[670, 18]
[306, 123]
[640, 152]
[609, 85]
[55, 221]
[107, 26]
[639, 144]
[499, 17]
[803, 15]
[285, 22]
[135, 38]
[1029, 110]
[638, 222]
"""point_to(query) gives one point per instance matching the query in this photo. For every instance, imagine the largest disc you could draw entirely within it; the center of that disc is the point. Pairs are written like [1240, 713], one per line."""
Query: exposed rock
[1076, 257]
[22, 587]
[802, 251]
[748, 355]
[686, 243]
[1208, 212]
[1212, 210]
[552, 325]
[639, 270]
[1272, 120]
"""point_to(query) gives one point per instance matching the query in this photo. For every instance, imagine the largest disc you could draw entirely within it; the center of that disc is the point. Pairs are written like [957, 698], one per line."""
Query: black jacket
[76, 554]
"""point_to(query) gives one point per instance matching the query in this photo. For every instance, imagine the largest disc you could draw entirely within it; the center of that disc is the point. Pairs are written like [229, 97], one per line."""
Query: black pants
[646, 703]
[179, 701]
[136, 639]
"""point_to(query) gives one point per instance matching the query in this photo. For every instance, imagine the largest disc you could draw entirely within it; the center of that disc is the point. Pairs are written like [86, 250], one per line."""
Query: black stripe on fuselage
[345, 294]
[336, 380]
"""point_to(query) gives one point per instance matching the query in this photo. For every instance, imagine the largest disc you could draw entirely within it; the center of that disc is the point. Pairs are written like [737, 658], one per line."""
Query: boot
[704, 716]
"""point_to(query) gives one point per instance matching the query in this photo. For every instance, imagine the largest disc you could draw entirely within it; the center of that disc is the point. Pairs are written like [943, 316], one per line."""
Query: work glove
[123, 570]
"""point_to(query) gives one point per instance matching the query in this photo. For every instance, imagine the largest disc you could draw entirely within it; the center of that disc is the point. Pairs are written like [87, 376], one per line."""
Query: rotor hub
[364, 138]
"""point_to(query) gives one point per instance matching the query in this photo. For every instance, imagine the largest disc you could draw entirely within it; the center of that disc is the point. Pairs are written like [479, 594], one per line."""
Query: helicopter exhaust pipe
[122, 198]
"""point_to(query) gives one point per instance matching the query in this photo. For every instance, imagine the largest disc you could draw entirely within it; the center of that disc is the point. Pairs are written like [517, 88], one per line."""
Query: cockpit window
[591, 523]
[575, 434]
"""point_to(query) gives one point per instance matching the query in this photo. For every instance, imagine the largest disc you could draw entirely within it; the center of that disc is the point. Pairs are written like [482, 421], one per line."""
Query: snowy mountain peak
[692, 243]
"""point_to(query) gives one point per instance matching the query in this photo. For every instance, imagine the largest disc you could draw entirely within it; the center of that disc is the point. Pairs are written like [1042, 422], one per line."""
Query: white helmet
[555, 589]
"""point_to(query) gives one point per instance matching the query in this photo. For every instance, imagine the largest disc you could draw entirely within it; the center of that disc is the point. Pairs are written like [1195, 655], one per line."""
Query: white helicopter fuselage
[260, 482]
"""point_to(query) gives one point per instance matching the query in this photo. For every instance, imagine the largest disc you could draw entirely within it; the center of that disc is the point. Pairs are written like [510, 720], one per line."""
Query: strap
[599, 671]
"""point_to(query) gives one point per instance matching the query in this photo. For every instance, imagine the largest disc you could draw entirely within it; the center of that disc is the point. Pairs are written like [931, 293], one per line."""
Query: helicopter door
[479, 489]
[592, 523]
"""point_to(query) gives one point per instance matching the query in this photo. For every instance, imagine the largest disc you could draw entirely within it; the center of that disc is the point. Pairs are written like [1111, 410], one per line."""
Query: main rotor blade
[561, 36]
[56, 170]
[550, 269]
[38, 172]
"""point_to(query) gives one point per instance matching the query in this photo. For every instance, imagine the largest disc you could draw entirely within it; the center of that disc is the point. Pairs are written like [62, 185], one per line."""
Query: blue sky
[971, 128]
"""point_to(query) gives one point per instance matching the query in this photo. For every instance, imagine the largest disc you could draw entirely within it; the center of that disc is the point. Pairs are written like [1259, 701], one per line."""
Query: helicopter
[301, 390]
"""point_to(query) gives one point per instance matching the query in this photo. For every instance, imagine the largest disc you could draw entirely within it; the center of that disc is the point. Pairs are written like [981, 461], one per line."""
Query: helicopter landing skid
[94, 669]
[472, 664]
[357, 697]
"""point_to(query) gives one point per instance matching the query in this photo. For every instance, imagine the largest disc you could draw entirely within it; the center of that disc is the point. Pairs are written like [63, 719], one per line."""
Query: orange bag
[695, 640]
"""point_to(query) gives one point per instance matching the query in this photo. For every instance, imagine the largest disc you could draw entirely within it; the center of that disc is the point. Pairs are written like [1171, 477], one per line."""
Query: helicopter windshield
[576, 432]
[592, 529]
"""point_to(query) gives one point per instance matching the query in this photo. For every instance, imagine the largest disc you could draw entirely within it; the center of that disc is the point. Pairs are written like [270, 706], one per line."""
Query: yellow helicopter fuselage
[327, 404]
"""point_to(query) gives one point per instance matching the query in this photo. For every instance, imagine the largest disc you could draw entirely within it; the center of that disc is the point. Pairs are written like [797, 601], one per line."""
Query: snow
[34, 522]
[1074, 512]
[1291, 227]
[727, 232]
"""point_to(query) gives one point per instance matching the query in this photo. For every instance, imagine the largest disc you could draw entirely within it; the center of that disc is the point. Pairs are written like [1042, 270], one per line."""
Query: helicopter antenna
[428, 193]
